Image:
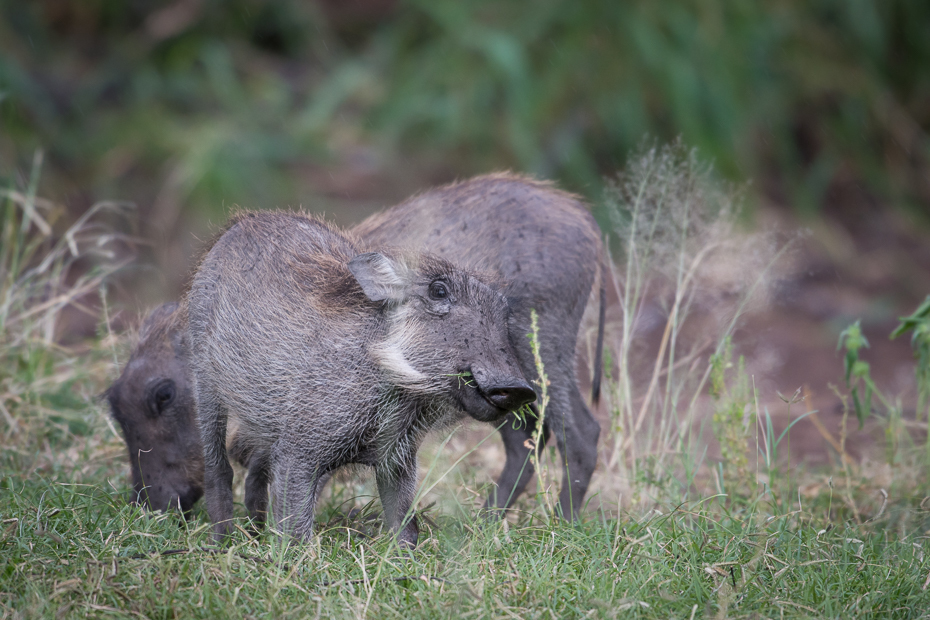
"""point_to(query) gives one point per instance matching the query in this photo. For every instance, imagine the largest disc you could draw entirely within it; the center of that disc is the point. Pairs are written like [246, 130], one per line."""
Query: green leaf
[914, 321]
[852, 338]
[860, 369]
[857, 406]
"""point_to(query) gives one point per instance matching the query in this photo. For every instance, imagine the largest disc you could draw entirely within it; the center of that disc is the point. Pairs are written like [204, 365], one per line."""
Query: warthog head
[445, 328]
[153, 402]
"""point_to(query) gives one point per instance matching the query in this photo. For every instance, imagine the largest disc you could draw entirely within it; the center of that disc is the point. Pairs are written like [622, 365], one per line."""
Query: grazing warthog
[323, 355]
[153, 402]
[540, 242]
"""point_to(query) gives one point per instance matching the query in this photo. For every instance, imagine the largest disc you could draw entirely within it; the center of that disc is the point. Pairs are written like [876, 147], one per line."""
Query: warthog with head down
[541, 243]
[153, 402]
[324, 355]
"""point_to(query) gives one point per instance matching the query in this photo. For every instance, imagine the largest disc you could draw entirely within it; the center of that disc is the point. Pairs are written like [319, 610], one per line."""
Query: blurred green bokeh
[191, 105]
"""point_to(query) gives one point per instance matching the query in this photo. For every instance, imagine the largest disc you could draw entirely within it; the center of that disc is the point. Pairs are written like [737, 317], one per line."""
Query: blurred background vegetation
[188, 107]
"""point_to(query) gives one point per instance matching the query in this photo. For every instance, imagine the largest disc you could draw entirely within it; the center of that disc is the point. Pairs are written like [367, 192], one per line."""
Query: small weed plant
[732, 406]
[899, 440]
[537, 442]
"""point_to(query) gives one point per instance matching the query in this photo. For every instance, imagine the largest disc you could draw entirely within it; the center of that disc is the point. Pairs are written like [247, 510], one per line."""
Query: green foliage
[857, 370]
[919, 324]
[122, 94]
[858, 378]
[568, 89]
[215, 103]
[76, 549]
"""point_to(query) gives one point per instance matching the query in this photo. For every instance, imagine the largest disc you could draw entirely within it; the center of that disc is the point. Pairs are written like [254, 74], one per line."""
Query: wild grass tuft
[48, 409]
[731, 417]
[686, 271]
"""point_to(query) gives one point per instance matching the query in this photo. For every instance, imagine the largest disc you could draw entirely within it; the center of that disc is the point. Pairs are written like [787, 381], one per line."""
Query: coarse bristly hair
[323, 354]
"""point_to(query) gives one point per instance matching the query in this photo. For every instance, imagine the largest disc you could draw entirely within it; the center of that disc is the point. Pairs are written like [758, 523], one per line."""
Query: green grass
[72, 547]
[77, 548]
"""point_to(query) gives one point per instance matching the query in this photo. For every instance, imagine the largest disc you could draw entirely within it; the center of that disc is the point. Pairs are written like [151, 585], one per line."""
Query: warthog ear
[160, 313]
[381, 278]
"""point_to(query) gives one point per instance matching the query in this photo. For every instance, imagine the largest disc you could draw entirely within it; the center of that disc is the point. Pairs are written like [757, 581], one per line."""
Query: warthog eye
[161, 396]
[438, 290]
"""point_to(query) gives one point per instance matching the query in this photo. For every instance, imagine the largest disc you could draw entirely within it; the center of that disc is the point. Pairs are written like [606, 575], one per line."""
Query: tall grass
[682, 260]
[37, 279]
[45, 271]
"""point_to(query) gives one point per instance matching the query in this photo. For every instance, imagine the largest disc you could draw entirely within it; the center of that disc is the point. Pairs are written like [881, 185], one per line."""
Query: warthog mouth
[510, 397]
[498, 397]
[182, 501]
[508, 394]
[491, 402]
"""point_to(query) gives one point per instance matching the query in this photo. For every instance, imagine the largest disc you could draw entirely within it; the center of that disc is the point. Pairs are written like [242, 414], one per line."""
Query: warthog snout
[492, 392]
[511, 396]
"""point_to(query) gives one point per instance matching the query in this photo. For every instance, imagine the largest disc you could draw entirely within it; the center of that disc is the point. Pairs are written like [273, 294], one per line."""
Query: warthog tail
[599, 346]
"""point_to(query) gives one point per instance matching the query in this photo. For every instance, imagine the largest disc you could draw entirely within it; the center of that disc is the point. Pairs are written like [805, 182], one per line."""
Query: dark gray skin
[153, 402]
[323, 355]
[533, 237]
[545, 246]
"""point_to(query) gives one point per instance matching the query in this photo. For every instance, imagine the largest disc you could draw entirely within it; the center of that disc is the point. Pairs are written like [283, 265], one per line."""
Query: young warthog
[323, 355]
[153, 402]
[545, 246]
